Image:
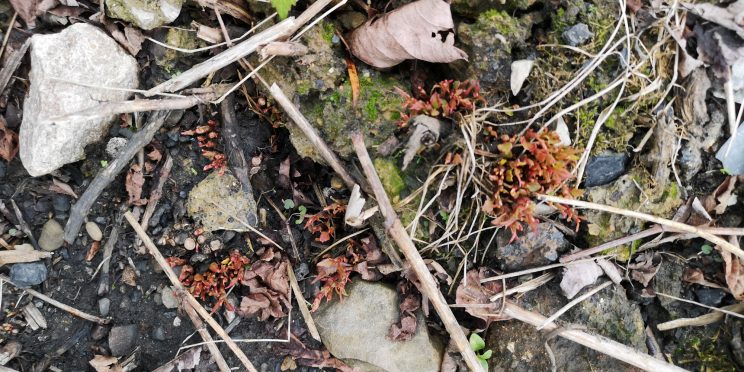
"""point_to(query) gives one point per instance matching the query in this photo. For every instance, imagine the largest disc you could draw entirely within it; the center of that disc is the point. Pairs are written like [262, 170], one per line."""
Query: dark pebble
[156, 230]
[136, 295]
[228, 235]
[122, 339]
[25, 275]
[155, 219]
[101, 220]
[198, 257]
[61, 203]
[710, 296]
[98, 332]
[183, 194]
[43, 206]
[181, 237]
[158, 333]
[184, 139]
[61, 217]
[601, 170]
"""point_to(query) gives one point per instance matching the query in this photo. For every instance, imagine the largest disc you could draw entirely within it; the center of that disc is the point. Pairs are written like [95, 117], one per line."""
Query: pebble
[25, 275]
[94, 231]
[122, 339]
[215, 245]
[52, 236]
[198, 257]
[115, 145]
[710, 296]
[603, 169]
[201, 239]
[158, 333]
[61, 203]
[578, 34]
[176, 321]
[169, 298]
[181, 238]
[189, 244]
[104, 305]
[98, 332]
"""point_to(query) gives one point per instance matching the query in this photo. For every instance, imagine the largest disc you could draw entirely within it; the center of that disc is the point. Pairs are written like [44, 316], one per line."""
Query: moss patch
[391, 178]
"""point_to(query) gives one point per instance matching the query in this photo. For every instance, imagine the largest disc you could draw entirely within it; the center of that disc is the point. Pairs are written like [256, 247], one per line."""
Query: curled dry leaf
[62, 188]
[28, 10]
[734, 271]
[472, 292]
[268, 286]
[410, 302]
[578, 275]
[696, 276]
[731, 17]
[419, 30]
[8, 142]
[311, 357]
[643, 270]
[94, 248]
[425, 133]
[722, 197]
[102, 363]
[133, 183]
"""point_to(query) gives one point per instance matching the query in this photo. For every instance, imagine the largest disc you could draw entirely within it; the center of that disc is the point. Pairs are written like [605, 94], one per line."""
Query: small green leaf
[289, 204]
[104, 163]
[476, 342]
[484, 364]
[486, 355]
[444, 215]
[301, 217]
[706, 249]
[282, 7]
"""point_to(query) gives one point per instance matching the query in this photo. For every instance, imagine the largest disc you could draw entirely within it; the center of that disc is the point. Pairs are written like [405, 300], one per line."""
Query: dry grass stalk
[303, 304]
[14, 256]
[712, 317]
[189, 299]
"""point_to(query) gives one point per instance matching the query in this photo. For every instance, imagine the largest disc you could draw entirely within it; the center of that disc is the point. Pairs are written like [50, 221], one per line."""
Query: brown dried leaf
[131, 38]
[129, 276]
[62, 188]
[8, 142]
[410, 303]
[313, 358]
[94, 248]
[28, 10]
[134, 182]
[722, 197]
[268, 284]
[102, 363]
[696, 276]
[475, 293]
[644, 269]
[734, 271]
[418, 30]
[354, 81]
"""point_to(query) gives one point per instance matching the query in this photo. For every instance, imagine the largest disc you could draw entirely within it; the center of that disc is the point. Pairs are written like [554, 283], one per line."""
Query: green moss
[328, 30]
[703, 353]
[303, 87]
[499, 20]
[391, 177]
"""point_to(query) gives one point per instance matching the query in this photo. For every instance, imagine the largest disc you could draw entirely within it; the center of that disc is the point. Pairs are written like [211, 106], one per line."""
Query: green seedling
[289, 204]
[301, 217]
[477, 344]
[706, 249]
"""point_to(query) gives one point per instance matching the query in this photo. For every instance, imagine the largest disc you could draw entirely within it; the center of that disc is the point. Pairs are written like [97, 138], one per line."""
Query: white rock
[145, 14]
[520, 70]
[83, 54]
[94, 231]
[115, 145]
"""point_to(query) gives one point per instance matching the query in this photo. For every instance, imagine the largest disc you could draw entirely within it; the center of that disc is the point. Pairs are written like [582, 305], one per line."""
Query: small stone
[536, 248]
[25, 275]
[578, 34]
[52, 236]
[89, 56]
[169, 298]
[122, 339]
[94, 231]
[176, 321]
[158, 333]
[337, 183]
[201, 239]
[98, 332]
[145, 14]
[215, 245]
[710, 296]
[61, 203]
[115, 145]
[104, 305]
[189, 244]
[603, 169]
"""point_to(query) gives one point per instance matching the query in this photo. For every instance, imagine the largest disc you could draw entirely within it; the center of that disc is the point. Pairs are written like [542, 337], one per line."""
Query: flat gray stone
[578, 34]
[356, 328]
[169, 299]
[145, 14]
[83, 54]
[52, 236]
[25, 275]
[122, 339]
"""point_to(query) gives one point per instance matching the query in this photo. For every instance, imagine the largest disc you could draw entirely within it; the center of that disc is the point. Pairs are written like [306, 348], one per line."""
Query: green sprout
[289, 204]
[301, 217]
[477, 344]
[706, 249]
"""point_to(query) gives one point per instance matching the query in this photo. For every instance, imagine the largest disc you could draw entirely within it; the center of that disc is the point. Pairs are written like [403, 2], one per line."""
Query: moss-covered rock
[145, 14]
[320, 83]
[473, 8]
[169, 59]
[391, 177]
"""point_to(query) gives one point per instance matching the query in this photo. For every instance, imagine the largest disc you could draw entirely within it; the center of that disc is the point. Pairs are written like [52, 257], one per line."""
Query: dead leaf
[9, 351]
[696, 276]
[611, 270]
[94, 248]
[102, 363]
[633, 6]
[129, 276]
[722, 197]
[8, 142]
[28, 10]
[154, 155]
[232, 8]
[472, 292]
[643, 270]
[731, 17]
[354, 81]
[410, 302]
[131, 38]
[62, 188]
[425, 133]
[133, 183]
[312, 358]
[578, 275]
[268, 284]
[734, 271]
[418, 30]
[520, 70]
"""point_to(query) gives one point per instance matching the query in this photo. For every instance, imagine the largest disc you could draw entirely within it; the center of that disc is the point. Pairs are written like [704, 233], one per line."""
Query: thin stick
[728, 88]
[303, 305]
[236, 157]
[537, 269]
[611, 244]
[7, 33]
[105, 176]
[722, 310]
[108, 250]
[12, 65]
[294, 113]
[398, 232]
[199, 325]
[643, 216]
[702, 320]
[599, 343]
[225, 58]
[157, 192]
[525, 287]
[573, 303]
[186, 295]
[59, 305]
[24, 226]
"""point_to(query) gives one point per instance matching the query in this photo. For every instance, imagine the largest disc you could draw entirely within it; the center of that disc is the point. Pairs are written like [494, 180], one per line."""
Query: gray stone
[80, 53]
[220, 203]
[52, 236]
[668, 280]
[25, 275]
[601, 170]
[158, 333]
[94, 231]
[169, 298]
[98, 332]
[536, 248]
[578, 34]
[122, 339]
[145, 14]
[733, 159]
[710, 296]
[104, 305]
[115, 145]
[356, 328]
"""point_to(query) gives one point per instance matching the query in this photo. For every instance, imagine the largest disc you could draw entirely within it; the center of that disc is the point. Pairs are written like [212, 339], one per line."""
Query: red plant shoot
[206, 137]
[445, 99]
